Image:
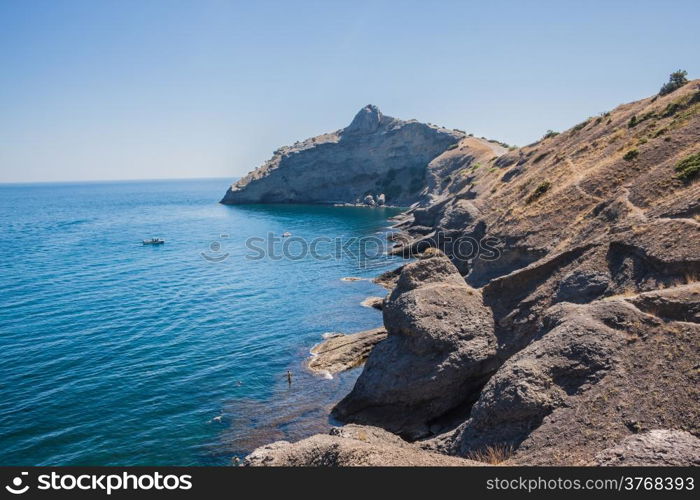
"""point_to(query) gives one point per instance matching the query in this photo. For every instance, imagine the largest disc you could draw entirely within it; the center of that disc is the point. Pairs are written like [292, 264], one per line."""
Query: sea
[113, 352]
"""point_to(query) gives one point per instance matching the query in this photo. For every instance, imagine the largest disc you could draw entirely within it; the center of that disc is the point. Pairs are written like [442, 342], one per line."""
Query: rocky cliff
[376, 159]
[573, 336]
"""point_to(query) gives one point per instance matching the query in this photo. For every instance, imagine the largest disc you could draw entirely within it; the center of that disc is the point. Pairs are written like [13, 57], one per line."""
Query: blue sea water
[116, 353]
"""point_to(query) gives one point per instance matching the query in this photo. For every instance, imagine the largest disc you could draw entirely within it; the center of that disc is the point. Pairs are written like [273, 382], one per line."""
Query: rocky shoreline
[569, 336]
[340, 352]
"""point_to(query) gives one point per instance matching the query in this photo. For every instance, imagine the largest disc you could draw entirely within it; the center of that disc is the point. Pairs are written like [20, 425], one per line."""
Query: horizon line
[98, 181]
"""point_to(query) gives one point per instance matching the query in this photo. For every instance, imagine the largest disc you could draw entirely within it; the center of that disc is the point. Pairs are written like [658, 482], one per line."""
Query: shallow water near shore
[116, 353]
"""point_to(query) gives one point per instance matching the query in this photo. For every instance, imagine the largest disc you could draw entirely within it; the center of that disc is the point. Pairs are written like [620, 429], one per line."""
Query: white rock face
[375, 155]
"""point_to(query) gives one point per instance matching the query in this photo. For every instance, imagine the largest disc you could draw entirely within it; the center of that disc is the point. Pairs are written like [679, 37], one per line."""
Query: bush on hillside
[675, 81]
[538, 192]
[630, 155]
[688, 167]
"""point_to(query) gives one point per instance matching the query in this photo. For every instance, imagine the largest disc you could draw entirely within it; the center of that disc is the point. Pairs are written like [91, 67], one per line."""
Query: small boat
[153, 241]
[286, 234]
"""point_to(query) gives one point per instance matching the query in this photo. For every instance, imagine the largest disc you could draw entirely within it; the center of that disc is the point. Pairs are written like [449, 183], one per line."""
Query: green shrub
[675, 81]
[538, 192]
[634, 121]
[451, 146]
[604, 114]
[688, 167]
[500, 143]
[630, 155]
[580, 126]
[550, 133]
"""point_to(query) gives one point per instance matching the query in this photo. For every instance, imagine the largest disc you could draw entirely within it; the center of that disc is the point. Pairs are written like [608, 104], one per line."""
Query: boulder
[374, 302]
[350, 446]
[440, 349]
[659, 447]
[569, 358]
[341, 352]
[581, 286]
[388, 279]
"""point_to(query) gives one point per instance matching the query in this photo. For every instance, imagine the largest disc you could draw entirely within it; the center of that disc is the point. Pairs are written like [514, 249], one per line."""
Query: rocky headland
[376, 160]
[575, 342]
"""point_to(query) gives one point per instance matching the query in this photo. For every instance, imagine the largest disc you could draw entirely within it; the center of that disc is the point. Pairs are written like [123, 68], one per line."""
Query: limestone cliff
[376, 159]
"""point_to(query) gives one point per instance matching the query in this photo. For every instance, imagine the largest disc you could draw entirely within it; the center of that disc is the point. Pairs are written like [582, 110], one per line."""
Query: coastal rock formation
[341, 352]
[440, 348]
[376, 160]
[388, 279]
[351, 446]
[659, 447]
[575, 352]
[374, 302]
[571, 336]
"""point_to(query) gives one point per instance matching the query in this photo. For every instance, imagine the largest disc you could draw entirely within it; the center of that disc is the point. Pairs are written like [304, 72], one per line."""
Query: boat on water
[286, 234]
[154, 241]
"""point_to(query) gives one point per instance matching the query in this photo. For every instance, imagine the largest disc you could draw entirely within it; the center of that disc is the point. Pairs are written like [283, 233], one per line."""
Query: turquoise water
[115, 353]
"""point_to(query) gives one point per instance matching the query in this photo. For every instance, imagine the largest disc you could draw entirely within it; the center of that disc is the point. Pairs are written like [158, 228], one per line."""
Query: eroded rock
[440, 348]
[374, 302]
[341, 352]
[574, 354]
[375, 154]
[659, 447]
[350, 446]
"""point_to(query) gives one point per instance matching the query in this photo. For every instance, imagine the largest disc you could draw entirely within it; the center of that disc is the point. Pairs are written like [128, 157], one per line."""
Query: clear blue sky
[166, 89]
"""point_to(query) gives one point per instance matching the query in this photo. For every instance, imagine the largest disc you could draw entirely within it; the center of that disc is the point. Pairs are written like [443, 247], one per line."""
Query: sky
[148, 89]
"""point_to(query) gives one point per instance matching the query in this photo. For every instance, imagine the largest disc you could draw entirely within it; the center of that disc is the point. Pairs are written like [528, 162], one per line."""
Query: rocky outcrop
[440, 349]
[596, 373]
[659, 447]
[575, 353]
[376, 160]
[351, 446]
[388, 279]
[578, 338]
[341, 352]
[374, 302]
